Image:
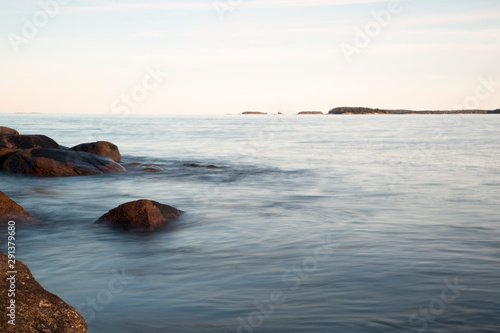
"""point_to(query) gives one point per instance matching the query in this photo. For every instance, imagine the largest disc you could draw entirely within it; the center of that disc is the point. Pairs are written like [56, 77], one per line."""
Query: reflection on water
[317, 224]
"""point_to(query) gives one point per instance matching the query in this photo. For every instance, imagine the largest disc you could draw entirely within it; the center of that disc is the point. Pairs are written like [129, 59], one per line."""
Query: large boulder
[36, 309]
[7, 131]
[141, 215]
[102, 148]
[58, 162]
[28, 142]
[11, 211]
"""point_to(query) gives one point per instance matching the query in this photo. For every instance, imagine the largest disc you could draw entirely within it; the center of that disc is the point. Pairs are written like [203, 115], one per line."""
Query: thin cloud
[270, 33]
[476, 16]
[199, 6]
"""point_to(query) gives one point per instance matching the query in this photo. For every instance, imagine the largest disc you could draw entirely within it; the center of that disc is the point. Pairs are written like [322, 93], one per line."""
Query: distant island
[254, 112]
[361, 110]
[310, 112]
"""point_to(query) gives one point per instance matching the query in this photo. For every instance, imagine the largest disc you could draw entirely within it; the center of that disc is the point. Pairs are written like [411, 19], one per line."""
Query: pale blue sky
[266, 55]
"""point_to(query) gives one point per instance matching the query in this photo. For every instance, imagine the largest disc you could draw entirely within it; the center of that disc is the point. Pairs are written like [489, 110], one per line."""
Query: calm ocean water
[312, 224]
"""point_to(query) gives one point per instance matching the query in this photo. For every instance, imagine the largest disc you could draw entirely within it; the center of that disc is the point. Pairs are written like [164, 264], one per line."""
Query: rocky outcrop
[7, 131]
[102, 148]
[27, 142]
[58, 162]
[36, 309]
[11, 211]
[140, 215]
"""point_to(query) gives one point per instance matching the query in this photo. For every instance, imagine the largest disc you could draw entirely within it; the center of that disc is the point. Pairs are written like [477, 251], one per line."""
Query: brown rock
[152, 168]
[7, 131]
[140, 214]
[102, 148]
[11, 211]
[27, 142]
[36, 309]
[57, 162]
[5, 153]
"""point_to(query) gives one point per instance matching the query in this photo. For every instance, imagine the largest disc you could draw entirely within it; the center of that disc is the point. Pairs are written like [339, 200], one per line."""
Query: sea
[333, 223]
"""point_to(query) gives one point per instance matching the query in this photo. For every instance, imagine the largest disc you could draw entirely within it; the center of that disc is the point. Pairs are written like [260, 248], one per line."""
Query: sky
[231, 56]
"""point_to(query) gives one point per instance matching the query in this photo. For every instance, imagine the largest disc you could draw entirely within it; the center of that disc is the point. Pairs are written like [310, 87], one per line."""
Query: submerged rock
[7, 131]
[140, 214]
[11, 211]
[152, 168]
[36, 309]
[102, 148]
[196, 165]
[57, 162]
[28, 142]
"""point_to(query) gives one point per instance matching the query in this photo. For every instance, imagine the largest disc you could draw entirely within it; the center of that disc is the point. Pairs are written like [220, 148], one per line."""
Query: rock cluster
[39, 155]
[37, 310]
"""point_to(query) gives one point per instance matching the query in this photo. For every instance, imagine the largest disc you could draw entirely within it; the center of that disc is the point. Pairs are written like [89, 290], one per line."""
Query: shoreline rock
[140, 215]
[4, 131]
[36, 309]
[12, 211]
[101, 148]
[45, 162]
[28, 142]
[5, 153]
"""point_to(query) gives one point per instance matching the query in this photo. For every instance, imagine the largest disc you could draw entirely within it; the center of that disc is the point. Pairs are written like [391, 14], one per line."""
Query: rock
[28, 142]
[57, 162]
[140, 214]
[196, 165]
[137, 167]
[11, 211]
[102, 148]
[152, 168]
[7, 131]
[5, 153]
[36, 309]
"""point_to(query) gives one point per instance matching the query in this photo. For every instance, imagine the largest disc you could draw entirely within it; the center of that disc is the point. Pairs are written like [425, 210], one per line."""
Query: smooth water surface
[311, 224]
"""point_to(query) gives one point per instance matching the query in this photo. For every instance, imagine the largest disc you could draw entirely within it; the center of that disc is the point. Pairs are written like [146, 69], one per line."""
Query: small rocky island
[246, 113]
[310, 112]
[362, 110]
